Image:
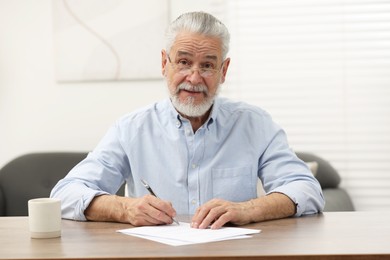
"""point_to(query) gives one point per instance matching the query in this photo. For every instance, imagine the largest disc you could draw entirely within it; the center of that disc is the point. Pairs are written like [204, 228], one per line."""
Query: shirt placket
[195, 152]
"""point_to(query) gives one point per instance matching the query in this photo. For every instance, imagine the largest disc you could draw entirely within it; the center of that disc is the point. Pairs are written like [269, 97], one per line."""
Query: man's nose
[194, 76]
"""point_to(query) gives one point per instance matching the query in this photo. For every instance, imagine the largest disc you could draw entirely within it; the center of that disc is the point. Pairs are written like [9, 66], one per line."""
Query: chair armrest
[337, 199]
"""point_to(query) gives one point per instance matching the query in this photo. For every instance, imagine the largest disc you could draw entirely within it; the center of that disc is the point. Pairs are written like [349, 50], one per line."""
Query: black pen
[154, 194]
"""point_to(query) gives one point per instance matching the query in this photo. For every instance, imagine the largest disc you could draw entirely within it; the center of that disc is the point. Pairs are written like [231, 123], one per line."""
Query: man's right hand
[145, 211]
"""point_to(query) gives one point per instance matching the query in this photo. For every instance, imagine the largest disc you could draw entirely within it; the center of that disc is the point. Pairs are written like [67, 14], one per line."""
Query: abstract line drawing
[99, 40]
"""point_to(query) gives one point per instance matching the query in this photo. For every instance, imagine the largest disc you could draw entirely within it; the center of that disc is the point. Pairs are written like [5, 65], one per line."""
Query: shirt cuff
[84, 202]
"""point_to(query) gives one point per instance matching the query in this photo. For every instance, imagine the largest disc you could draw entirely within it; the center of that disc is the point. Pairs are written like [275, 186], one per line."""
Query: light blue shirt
[224, 158]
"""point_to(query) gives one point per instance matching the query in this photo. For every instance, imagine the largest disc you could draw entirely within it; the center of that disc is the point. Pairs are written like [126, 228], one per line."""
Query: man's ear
[163, 62]
[224, 70]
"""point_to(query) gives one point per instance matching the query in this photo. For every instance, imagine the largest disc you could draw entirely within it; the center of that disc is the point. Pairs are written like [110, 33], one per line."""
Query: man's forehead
[193, 44]
[184, 53]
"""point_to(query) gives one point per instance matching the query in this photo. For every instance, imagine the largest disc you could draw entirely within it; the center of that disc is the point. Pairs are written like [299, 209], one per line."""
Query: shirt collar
[176, 117]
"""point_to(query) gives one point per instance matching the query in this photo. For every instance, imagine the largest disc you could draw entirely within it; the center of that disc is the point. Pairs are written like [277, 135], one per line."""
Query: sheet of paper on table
[183, 234]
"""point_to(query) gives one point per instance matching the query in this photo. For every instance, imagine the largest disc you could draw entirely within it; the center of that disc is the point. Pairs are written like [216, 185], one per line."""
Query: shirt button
[193, 202]
[193, 166]
[178, 124]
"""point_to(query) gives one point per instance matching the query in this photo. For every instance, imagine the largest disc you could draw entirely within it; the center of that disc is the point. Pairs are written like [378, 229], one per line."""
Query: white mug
[44, 217]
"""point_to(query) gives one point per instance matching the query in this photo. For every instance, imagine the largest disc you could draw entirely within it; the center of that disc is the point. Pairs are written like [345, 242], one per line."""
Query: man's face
[194, 69]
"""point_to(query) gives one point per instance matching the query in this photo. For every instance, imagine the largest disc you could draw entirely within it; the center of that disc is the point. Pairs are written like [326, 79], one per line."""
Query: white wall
[39, 114]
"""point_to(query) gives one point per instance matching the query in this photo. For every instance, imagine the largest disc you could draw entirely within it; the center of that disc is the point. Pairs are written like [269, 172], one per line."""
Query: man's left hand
[216, 213]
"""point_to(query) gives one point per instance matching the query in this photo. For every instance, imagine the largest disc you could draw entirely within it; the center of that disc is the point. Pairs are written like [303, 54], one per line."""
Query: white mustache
[189, 87]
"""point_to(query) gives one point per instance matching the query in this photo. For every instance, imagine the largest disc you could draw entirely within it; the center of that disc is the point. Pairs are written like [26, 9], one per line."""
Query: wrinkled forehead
[197, 46]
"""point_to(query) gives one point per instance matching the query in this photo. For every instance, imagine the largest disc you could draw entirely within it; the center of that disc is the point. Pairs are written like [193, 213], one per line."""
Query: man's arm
[145, 211]
[217, 212]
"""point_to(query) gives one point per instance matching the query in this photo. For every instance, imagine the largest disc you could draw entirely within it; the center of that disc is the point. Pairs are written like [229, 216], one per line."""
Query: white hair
[198, 22]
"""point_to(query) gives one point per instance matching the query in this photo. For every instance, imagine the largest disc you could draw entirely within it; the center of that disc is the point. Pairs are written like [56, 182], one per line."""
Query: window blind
[322, 70]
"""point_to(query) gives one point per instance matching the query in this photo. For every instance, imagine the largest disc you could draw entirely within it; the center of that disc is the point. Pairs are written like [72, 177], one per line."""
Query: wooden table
[331, 235]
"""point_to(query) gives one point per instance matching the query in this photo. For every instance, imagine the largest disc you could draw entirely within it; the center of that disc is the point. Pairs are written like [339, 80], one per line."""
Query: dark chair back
[33, 176]
[336, 198]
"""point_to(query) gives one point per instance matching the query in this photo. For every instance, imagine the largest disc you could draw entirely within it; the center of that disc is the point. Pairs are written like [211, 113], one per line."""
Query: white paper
[183, 234]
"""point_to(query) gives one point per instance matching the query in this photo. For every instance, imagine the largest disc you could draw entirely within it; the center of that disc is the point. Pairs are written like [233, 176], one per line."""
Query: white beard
[188, 108]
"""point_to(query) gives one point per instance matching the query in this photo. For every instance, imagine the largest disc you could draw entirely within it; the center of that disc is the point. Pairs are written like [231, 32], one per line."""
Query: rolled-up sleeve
[101, 172]
[282, 171]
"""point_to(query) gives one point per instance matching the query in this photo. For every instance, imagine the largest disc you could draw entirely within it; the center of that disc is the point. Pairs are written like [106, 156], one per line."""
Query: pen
[154, 194]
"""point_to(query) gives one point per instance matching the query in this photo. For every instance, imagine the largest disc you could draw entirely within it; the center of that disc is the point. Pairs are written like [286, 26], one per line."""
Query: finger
[199, 216]
[142, 219]
[150, 221]
[203, 211]
[167, 207]
[161, 210]
[161, 205]
[212, 216]
[139, 214]
[221, 221]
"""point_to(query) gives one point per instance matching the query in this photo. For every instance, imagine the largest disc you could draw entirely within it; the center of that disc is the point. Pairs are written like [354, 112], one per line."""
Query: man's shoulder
[230, 107]
[144, 113]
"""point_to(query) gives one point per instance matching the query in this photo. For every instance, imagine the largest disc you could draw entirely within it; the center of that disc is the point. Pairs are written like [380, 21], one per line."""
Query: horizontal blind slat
[321, 69]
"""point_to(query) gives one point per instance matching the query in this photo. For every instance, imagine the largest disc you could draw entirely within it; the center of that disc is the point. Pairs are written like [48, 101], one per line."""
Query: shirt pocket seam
[225, 178]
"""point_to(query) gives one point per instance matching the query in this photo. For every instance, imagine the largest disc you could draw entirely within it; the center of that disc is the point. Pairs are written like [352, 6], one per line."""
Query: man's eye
[183, 63]
[208, 66]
